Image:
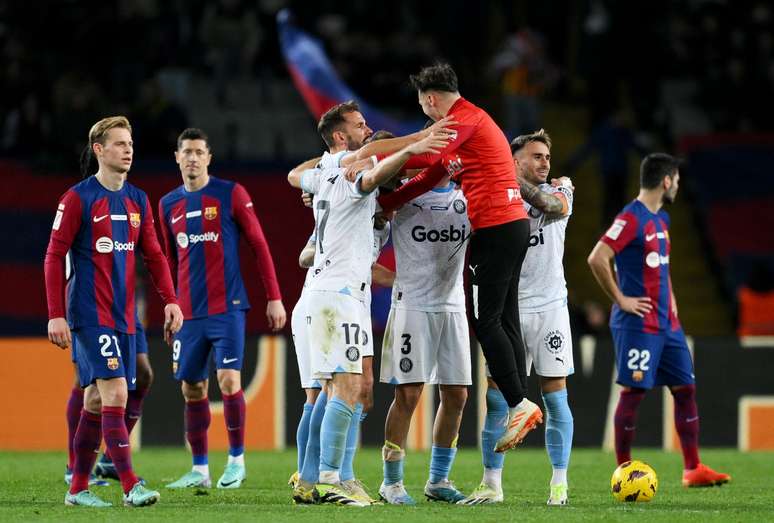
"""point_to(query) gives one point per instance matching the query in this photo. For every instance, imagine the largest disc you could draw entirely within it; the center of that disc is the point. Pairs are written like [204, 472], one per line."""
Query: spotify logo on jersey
[182, 240]
[105, 245]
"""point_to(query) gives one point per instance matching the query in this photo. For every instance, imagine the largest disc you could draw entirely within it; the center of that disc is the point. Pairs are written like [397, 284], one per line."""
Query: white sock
[239, 460]
[202, 469]
[329, 477]
[493, 478]
[559, 477]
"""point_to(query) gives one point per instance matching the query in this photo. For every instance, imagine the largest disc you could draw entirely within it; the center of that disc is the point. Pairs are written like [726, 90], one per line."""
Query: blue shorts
[225, 333]
[104, 353]
[649, 360]
[140, 343]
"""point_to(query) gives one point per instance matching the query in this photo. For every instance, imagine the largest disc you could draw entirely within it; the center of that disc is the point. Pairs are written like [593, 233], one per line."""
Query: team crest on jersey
[112, 363]
[174, 366]
[554, 341]
[459, 206]
[353, 354]
[134, 219]
[406, 365]
[637, 375]
[210, 213]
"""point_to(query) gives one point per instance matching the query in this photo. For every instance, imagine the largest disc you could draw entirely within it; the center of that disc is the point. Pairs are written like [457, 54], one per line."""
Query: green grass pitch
[32, 489]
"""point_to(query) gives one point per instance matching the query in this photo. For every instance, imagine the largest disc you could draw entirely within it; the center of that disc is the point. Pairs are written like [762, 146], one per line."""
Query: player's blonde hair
[97, 134]
[538, 136]
[99, 130]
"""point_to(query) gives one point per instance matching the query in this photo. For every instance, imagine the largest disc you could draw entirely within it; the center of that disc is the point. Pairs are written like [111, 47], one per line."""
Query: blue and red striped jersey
[201, 231]
[640, 240]
[102, 229]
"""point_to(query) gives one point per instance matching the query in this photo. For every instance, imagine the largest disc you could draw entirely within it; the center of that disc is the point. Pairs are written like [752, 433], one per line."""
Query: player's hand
[639, 306]
[432, 143]
[59, 333]
[173, 322]
[563, 181]
[275, 313]
[441, 127]
[350, 173]
[307, 198]
[381, 218]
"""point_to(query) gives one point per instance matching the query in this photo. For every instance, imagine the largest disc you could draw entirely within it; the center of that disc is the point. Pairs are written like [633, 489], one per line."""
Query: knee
[114, 396]
[454, 398]
[194, 391]
[229, 382]
[92, 403]
[144, 374]
[407, 396]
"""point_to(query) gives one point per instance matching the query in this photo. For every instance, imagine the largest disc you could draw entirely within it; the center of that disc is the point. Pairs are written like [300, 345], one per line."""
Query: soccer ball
[634, 481]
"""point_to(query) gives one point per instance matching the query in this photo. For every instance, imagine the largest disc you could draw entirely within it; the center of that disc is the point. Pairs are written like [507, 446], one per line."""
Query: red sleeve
[420, 161]
[418, 185]
[244, 215]
[154, 258]
[67, 222]
[167, 244]
[622, 232]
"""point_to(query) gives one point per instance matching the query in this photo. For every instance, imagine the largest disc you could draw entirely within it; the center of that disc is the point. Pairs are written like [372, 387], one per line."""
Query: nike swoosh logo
[98, 219]
[649, 237]
[229, 360]
[176, 219]
[123, 445]
[688, 420]
[229, 483]
[134, 380]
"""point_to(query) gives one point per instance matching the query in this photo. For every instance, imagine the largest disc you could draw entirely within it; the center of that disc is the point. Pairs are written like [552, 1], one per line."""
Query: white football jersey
[542, 286]
[430, 235]
[331, 160]
[343, 218]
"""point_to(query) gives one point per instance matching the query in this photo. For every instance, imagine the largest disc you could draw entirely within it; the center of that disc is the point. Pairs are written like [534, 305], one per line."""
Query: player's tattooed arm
[294, 176]
[550, 204]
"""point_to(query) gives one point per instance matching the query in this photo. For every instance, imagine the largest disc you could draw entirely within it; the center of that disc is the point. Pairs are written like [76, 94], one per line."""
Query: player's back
[640, 240]
[429, 236]
[542, 285]
[344, 230]
[488, 177]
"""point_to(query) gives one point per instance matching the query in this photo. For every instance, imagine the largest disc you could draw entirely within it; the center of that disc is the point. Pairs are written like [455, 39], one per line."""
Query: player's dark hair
[97, 134]
[333, 120]
[521, 141]
[655, 167]
[192, 133]
[437, 77]
[380, 135]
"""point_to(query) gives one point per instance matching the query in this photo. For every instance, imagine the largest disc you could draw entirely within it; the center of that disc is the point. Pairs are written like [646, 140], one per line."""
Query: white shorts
[299, 326]
[548, 340]
[426, 347]
[339, 333]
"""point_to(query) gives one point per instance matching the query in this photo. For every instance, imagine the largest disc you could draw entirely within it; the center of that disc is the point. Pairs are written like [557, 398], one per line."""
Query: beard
[352, 144]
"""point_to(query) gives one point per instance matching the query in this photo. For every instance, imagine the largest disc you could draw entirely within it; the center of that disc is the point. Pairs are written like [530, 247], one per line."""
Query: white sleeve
[310, 181]
[568, 194]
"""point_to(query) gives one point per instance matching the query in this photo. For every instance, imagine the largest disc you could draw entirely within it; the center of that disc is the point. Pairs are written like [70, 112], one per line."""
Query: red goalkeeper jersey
[479, 159]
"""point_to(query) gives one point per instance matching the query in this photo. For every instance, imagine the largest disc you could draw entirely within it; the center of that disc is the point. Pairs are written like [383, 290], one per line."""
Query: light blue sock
[347, 470]
[302, 433]
[441, 459]
[333, 434]
[393, 471]
[494, 428]
[559, 428]
[311, 468]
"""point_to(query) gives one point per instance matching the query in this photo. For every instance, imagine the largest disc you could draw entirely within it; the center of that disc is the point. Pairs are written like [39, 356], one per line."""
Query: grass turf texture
[32, 488]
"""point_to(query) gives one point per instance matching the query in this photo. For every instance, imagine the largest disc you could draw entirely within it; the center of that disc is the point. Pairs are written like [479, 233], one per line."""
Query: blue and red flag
[317, 80]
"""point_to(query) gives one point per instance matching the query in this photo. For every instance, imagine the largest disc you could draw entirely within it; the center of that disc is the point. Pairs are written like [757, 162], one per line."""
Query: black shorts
[497, 252]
